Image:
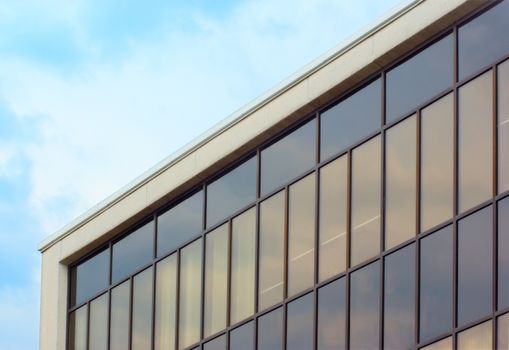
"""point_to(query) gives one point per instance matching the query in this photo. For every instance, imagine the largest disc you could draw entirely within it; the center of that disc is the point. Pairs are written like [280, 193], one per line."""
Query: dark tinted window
[350, 120]
[503, 254]
[218, 343]
[483, 40]
[288, 157]
[365, 307]
[420, 78]
[180, 224]
[299, 330]
[132, 252]
[231, 192]
[242, 338]
[399, 309]
[90, 277]
[475, 234]
[331, 316]
[270, 330]
[436, 284]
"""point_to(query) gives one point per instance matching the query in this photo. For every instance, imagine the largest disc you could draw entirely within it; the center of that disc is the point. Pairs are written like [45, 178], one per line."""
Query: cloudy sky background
[93, 93]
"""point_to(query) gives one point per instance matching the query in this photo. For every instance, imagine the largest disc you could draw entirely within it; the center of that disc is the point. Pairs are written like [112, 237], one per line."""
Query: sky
[93, 93]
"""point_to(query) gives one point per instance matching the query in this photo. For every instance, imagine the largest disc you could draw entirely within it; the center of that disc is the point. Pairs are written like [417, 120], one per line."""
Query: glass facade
[380, 221]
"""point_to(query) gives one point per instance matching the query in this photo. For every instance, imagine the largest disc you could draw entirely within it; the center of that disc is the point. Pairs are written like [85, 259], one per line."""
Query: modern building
[363, 204]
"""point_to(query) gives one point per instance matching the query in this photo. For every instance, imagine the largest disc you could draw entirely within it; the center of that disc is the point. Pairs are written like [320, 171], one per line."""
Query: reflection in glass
[132, 252]
[190, 294]
[503, 254]
[366, 189]
[180, 224]
[333, 211]
[272, 241]
[216, 280]
[483, 40]
[242, 338]
[444, 344]
[399, 309]
[350, 120]
[503, 332]
[400, 182]
[418, 79]
[299, 329]
[476, 338]
[270, 329]
[90, 277]
[243, 266]
[437, 160]
[119, 322]
[436, 284]
[98, 325]
[166, 303]
[475, 237]
[331, 316]
[503, 127]
[365, 307]
[231, 192]
[288, 157]
[78, 329]
[142, 310]
[218, 343]
[475, 141]
[301, 235]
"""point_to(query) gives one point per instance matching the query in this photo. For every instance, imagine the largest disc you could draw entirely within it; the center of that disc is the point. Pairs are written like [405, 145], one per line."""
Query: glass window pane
[350, 120]
[301, 235]
[503, 332]
[132, 252]
[190, 294]
[272, 247]
[270, 330]
[119, 323]
[475, 142]
[399, 309]
[366, 189]
[436, 284]
[299, 329]
[242, 338]
[437, 160]
[331, 316]
[142, 310]
[503, 127]
[231, 192]
[365, 307]
[483, 40]
[78, 329]
[476, 338]
[243, 266]
[288, 157]
[503, 253]
[475, 244]
[218, 343]
[98, 338]
[166, 303]
[216, 280]
[333, 212]
[445, 344]
[180, 224]
[418, 79]
[400, 182]
[90, 277]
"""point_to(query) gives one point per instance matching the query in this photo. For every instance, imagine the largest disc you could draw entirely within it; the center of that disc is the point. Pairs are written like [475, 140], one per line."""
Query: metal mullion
[177, 300]
[455, 188]
[229, 273]
[108, 331]
[131, 292]
[382, 180]
[348, 248]
[87, 345]
[494, 228]
[286, 239]
[316, 243]
[202, 296]
[417, 228]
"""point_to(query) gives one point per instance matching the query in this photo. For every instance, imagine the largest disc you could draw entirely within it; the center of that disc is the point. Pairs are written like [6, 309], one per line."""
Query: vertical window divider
[348, 248]
[131, 292]
[87, 346]
[494, 253]
[203, 247]
[286, 255]
[417, 228]
[177, 299]
[229, 273]
[382, 230]
[154, 272]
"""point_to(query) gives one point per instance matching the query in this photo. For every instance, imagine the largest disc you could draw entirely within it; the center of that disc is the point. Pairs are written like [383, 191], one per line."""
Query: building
[363, 204]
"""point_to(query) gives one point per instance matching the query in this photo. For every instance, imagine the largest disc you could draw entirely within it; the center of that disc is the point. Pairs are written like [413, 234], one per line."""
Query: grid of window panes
[363, 227]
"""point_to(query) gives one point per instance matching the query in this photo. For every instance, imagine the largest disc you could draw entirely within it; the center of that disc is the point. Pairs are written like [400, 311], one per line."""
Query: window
[142, 310]
[78, 329]
[166, 304]
[332, 316]
[366, 189]
[98, 323]
[218, 343]
[445, 344]
[350, 120]
[270, 329]
[90, 277]
[503, 254]
[503, 127]
[503, 331]
[476, 338]
[242, 338]
[120, 320]
[299, 328]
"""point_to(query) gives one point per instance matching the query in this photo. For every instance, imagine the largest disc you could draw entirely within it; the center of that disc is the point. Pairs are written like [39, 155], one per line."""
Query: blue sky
[93, 93]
